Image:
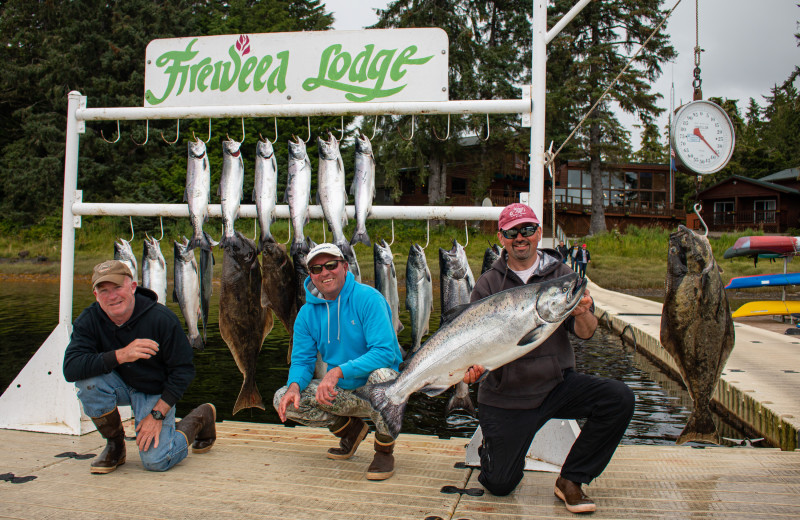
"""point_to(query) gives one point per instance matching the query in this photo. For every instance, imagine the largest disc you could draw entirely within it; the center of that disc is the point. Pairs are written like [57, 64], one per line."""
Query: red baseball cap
[516, 214]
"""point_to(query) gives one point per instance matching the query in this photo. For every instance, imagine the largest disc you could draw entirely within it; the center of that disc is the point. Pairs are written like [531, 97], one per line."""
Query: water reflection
[29, 312]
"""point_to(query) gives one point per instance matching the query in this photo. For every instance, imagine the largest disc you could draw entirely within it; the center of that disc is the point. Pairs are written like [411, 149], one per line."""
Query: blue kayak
[764, 280]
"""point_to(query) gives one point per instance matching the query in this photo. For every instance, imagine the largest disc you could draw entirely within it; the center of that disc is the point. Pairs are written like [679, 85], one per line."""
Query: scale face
[702, 137]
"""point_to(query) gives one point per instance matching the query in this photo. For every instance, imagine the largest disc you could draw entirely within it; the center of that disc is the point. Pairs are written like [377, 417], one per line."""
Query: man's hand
[473, 373]
[583, 306]
[149, 429]
[326, 390]
[292, 395]
[137, 349]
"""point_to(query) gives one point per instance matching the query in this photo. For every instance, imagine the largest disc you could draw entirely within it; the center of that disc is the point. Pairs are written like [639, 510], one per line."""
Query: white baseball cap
[325, 248]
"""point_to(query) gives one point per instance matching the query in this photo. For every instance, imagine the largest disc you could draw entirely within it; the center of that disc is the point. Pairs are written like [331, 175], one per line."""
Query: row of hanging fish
[332, 194]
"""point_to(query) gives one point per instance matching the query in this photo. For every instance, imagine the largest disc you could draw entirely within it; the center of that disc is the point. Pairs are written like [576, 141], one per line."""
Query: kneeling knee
[498, 488]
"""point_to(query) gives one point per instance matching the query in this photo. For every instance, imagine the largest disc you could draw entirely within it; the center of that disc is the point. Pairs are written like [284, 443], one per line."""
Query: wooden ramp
[271, 471]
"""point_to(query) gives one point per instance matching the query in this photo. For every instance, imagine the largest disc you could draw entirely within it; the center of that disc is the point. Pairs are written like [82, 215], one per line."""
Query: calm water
[29, 310]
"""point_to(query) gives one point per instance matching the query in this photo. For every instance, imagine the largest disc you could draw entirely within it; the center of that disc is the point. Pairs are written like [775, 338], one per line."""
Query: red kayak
[764, 245]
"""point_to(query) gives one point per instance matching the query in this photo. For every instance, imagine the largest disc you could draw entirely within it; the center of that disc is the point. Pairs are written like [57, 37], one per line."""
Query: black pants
[607, 405]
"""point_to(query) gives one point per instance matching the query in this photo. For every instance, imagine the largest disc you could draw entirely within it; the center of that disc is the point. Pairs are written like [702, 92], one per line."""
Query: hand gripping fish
[490, 332]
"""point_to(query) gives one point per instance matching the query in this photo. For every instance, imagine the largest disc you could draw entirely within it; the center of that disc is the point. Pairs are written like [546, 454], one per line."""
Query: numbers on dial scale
[703, 138]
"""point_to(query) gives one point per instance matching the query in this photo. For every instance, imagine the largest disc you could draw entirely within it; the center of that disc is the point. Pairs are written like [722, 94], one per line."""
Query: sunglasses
[330, 266]
[526, 231]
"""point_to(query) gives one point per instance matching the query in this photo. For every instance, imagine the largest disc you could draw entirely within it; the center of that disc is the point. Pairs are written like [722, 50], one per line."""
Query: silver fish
[386, 280]
[490, 332]
[696, 326]
[124, 253]
[352, 261]
[265, 189]
[154, 269]
[492, 253]
[455, 276]
[243, 321]
[187, 291]
[298, 192]
[198, 191]
[230, 187]
[363, 188]
[331, 192]
[206, 275]
[419, 295]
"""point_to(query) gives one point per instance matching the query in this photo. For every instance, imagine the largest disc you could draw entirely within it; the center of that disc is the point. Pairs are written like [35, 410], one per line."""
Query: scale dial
[702, 137]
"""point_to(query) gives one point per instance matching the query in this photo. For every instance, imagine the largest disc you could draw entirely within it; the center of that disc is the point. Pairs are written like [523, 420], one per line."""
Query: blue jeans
[102, 394]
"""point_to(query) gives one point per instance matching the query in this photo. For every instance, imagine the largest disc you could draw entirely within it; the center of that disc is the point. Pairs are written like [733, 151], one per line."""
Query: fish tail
[199, 241]
[700, 427]
[298, 246]
[264, 241]
[392, 414]
[457, 402]
[197, 342]
[360, 236]
[249, 396]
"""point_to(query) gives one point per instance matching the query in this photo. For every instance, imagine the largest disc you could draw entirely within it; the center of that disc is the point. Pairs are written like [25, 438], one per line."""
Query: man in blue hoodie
[350, 326]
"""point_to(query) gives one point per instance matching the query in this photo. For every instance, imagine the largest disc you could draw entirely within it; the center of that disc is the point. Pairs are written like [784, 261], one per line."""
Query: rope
[614, 82]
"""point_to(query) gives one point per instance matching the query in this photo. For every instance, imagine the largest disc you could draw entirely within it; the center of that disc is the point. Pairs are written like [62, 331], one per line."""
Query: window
[574, 179]
[723, 212]
[458, 186]
[764, 211]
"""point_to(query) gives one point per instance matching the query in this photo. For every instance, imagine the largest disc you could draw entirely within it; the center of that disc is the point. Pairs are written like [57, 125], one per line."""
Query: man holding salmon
[516, 400]
[349, 325]
[126, 349]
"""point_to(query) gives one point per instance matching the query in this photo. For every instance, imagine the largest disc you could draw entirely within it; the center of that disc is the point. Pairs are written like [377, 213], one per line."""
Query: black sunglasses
[330, 266]
[526, 231]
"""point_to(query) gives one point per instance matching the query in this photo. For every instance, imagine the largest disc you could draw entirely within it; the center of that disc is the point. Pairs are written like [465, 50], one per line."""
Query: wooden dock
[271, 471]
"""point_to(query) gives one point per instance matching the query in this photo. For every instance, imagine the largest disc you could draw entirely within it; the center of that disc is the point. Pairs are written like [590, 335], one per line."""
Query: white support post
[538, 93]
[74, 129]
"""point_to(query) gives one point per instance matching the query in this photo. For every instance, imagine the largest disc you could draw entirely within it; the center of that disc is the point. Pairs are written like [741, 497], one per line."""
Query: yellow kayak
[776, 307]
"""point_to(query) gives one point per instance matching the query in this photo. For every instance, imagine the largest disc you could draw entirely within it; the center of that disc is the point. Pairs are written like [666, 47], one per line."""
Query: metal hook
[276, 133]
[448, 130]
[309, 130]
[412, 130]
[324, 235]
[374, 127]
[255, 230]
[115, 140]
[209, 133]
[146, 135]
[488, 130]
[130, 218]
[697, 208]
[177, 134]
[341, 135]
[161, 221]
[289, 227]
[466, 232]
[427, 233]
[243, 134]
[392, 242]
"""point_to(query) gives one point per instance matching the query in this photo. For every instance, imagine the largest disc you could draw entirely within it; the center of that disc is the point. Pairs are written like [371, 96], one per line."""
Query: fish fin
[460, 403]
[219, 190]
[360, 237]
[185, 195]
[700, 427]
[432, 391]
[452, 314]
[483, 376]
[317, 198]
[530, 337]
[286, 196]
[391, 414]
[249, 396]
[174, 295]
[353, 187]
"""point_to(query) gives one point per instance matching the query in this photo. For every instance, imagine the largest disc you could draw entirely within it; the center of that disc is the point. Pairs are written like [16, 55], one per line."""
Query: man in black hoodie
[517, 399]
[127, 349]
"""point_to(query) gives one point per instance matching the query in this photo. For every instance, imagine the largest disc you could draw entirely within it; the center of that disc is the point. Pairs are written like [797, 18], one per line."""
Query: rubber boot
[351, 435]
[199, 428]
[382, 466]
[110, 427]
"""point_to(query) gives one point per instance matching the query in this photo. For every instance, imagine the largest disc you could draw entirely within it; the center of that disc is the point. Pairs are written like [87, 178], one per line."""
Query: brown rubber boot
[382, 466]
[110, 427]
[199, 428]
[351, 435]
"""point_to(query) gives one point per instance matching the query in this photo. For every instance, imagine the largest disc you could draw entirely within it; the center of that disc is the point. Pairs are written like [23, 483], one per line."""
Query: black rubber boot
[382, 466]
[351, 435]
[110, 427]
[199, 428]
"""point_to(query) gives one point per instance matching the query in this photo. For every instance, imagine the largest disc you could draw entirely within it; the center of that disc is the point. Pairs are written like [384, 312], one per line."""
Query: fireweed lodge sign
[304, 67]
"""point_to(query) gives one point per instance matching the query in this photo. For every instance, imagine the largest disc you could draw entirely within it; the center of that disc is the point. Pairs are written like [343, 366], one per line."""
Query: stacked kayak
[764, 280]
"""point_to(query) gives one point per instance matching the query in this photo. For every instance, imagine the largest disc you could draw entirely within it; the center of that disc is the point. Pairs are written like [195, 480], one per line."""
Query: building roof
[758, 182]
[787, 174]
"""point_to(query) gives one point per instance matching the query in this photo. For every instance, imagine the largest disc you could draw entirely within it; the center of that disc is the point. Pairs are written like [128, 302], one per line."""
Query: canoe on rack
[766, 308]
[764, 280]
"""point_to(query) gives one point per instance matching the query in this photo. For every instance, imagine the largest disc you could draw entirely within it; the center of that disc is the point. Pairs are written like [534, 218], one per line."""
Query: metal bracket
[76, 219]
[81, 127]
[526, 96]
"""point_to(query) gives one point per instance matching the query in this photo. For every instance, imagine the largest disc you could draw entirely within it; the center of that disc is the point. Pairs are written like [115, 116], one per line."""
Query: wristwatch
[158, 416]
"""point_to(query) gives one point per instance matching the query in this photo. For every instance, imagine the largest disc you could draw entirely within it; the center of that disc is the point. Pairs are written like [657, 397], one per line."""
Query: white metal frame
[40, 400]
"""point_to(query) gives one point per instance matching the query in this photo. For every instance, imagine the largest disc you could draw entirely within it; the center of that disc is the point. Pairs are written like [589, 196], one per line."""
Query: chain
[697, 83]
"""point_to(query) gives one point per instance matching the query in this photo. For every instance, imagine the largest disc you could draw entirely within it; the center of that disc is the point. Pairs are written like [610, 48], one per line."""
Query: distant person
[573, 257]
[517, 399]
[583, 257]
[349, 325]
[563, 251]
[126, 349]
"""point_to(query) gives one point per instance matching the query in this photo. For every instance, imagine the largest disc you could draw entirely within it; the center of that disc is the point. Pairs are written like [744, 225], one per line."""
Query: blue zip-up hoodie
[353, 332]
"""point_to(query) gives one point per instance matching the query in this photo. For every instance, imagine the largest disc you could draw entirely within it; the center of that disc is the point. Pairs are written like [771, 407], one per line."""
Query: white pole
[538, 92]
[577, 8]
[67, 217]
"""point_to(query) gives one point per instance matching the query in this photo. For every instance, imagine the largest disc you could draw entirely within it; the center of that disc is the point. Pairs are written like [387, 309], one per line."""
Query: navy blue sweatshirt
[95, 338]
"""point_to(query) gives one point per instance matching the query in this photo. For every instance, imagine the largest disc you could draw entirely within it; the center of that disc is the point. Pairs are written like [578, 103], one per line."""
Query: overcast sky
[749, 46]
